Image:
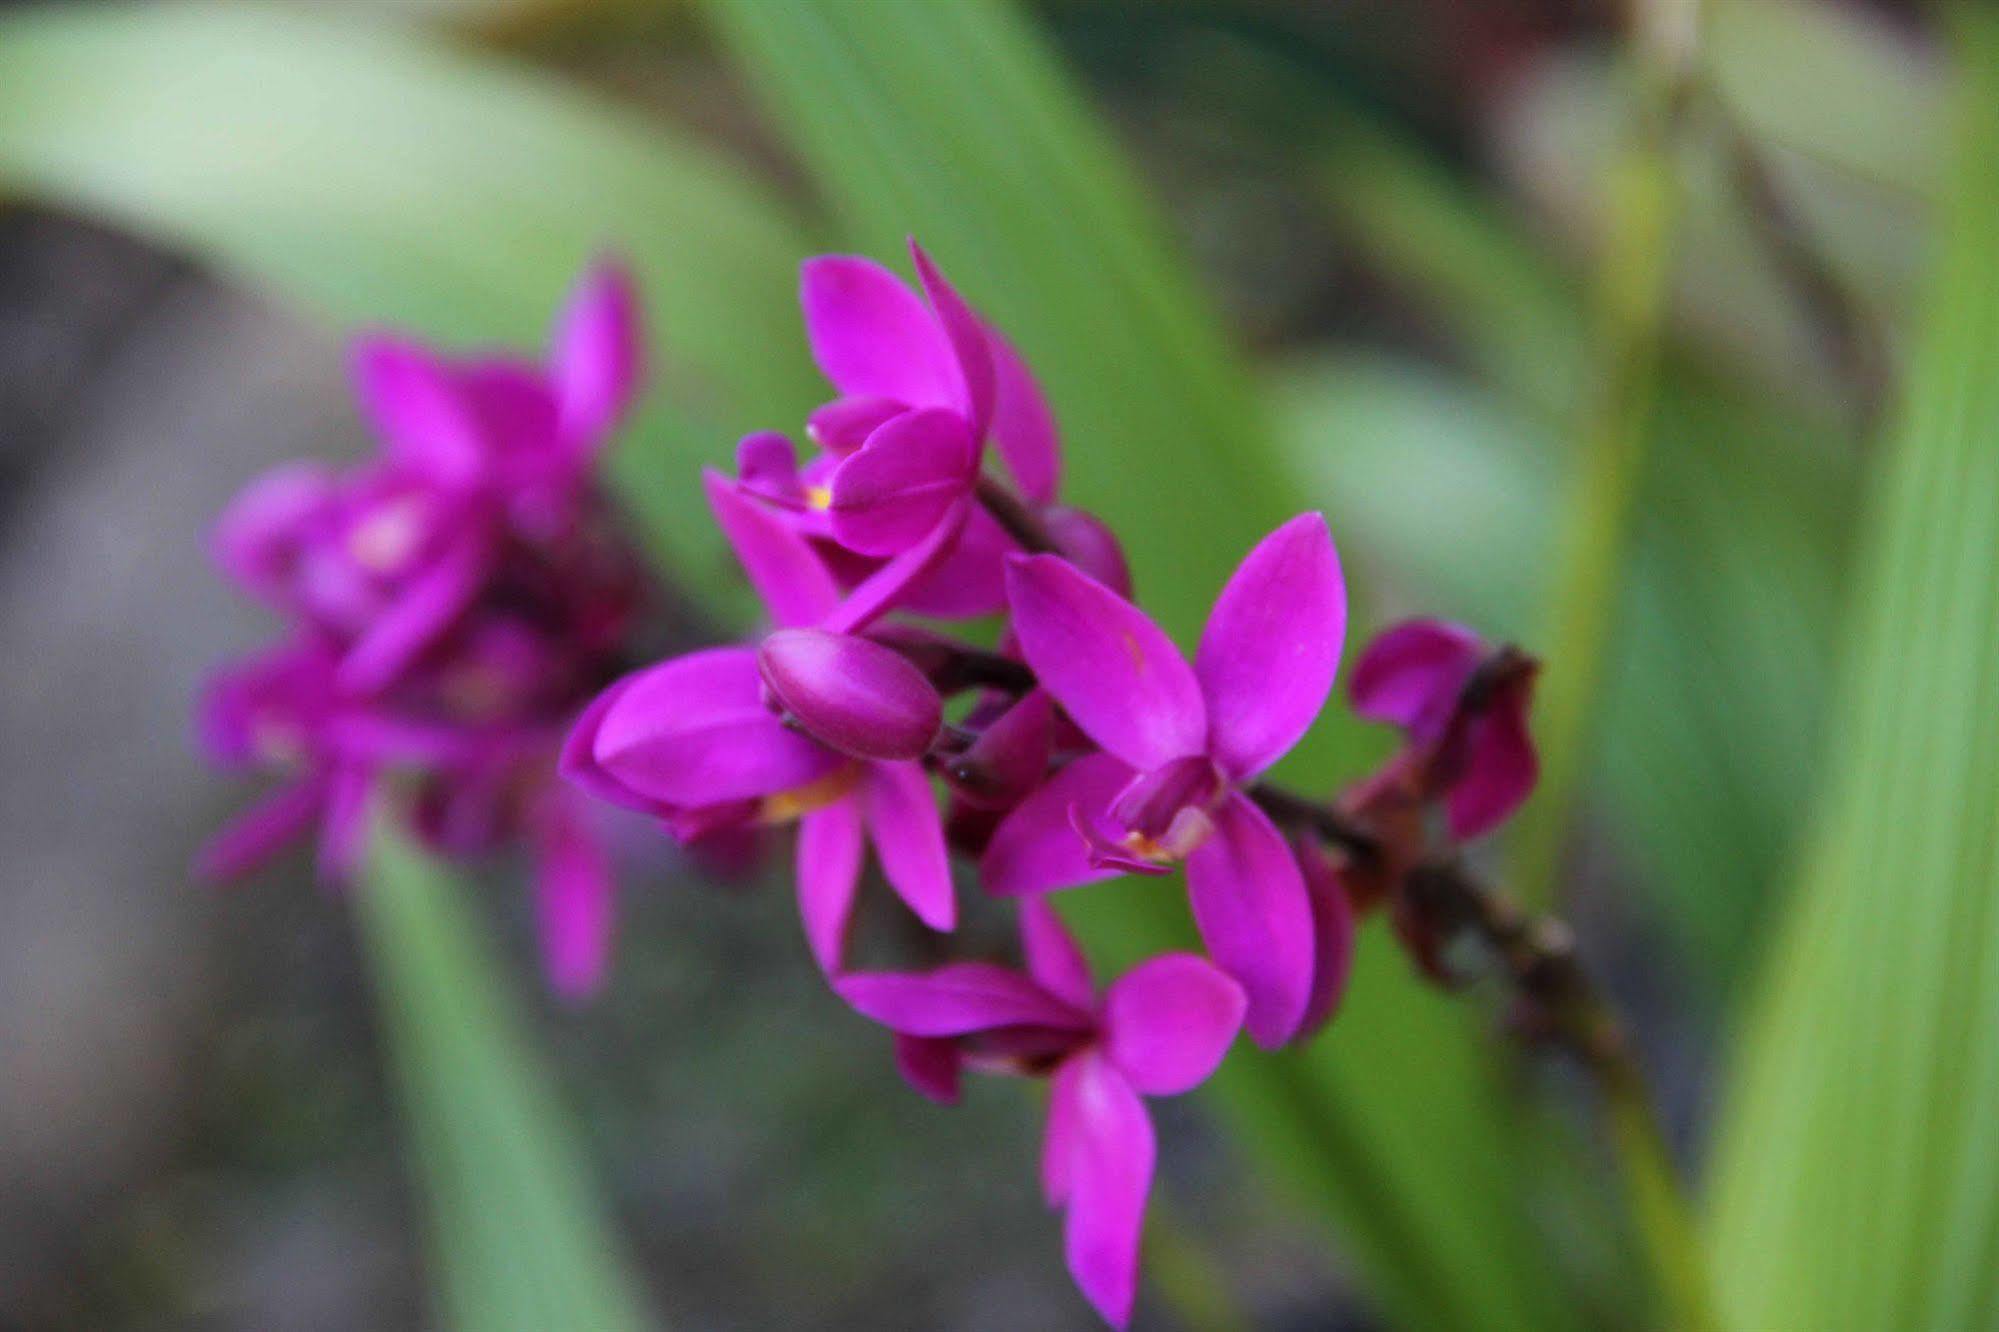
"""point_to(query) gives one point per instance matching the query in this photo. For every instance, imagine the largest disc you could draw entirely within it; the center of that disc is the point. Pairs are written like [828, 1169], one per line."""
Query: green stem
[1643, 188]
[1659, 1207]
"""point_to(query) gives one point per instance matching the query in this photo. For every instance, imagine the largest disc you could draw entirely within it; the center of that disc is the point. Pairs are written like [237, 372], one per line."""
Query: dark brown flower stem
[1021, 522]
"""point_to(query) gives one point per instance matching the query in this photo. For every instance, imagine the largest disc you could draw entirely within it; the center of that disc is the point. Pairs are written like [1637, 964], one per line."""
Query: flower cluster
[450, 604]
[462, 618]
[1086, 746]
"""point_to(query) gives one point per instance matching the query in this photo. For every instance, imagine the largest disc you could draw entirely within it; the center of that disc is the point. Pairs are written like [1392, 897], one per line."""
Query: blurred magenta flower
[1462, 709]
[1159, 1030]
[1180, 744]
[453, 602]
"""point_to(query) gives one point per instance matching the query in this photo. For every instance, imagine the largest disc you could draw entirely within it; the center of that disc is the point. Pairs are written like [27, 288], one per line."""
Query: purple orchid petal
[780, 562]
[767, 467]
[1104, 843]
[957, 999]
[574, 892]
[930, 1064]
[1500, 769]
[844, 424]
[1058, 1146]
[1332, 933]
[515, 411]
[1023, 427]
[1158, 800]
[1250, 904]
[694, 731]
[257, 540]
[414, 402]
[1272, 646]
[248, 842]
[1011, 755]
[1169, 1021]
[1035, 848]
[1115, 672]
[967, 339]
[900, 485]
[908, 834]
[888, 587]
[853, 694]
[872, 336]
[1087, 542]
[421, 614]
[595, 362]
[578, 763]
[829, 870]
[1410, 675]
[1053, 958]
[1108, 1177]
[970, 581]
[343, 831]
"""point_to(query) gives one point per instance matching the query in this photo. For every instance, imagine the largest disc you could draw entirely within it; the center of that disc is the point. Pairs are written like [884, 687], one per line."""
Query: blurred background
[1398, 209]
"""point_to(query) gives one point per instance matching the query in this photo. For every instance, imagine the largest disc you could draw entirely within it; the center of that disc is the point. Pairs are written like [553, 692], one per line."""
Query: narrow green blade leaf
[953, 123]
[521, 1241]
[378, 176]
[1857, 1185]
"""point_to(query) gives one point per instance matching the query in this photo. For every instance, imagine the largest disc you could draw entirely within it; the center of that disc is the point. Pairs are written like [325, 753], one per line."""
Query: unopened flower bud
[851, 694]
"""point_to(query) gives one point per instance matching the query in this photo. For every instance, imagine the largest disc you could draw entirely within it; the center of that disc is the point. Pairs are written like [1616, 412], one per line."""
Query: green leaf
[520, 1239]
[1857, 1181]
[374, 175]
[952, 122]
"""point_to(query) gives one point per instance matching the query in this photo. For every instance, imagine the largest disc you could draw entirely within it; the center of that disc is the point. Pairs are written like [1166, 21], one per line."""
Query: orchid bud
[851, 694]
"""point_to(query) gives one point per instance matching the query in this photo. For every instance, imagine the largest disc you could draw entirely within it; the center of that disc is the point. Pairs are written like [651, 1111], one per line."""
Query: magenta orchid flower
[1474, 753]
[1159, 1030]
[454, 601]
[1180, 744]
[696, 741]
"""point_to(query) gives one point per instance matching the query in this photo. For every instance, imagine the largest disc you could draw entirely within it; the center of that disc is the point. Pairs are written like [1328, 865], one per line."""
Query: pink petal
[1410, 675]
[829, 870]
[1332, 932]
[1053, 958]
[694, 731]
[970, 581]
[422, 612]
[888, 587]
[967, 339]
[343, 831]
[956, 999]
[595, 362]
[861, 698]
[248, 841]
[844, 424]
[574, 890]
[767, 467]
[1035, 848]
[1023, 427]
[779, 561]
[1087, 542]
[930, 1064]
[577, 762]
[1115, 672]
[1170, 1020]
[1250, 905]
[1109, 1175]
[1500, 770]
[911, 473]
[908, 835]
[1010, 757]
[872, 336]
[1272, 646]
[411, 397]
[257, 539]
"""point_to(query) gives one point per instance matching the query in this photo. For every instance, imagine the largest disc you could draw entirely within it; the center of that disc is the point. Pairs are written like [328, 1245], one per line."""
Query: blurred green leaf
[1712, 713]
[520, 1238]
[953, 122]
[1857, 1183]
[376, 175]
